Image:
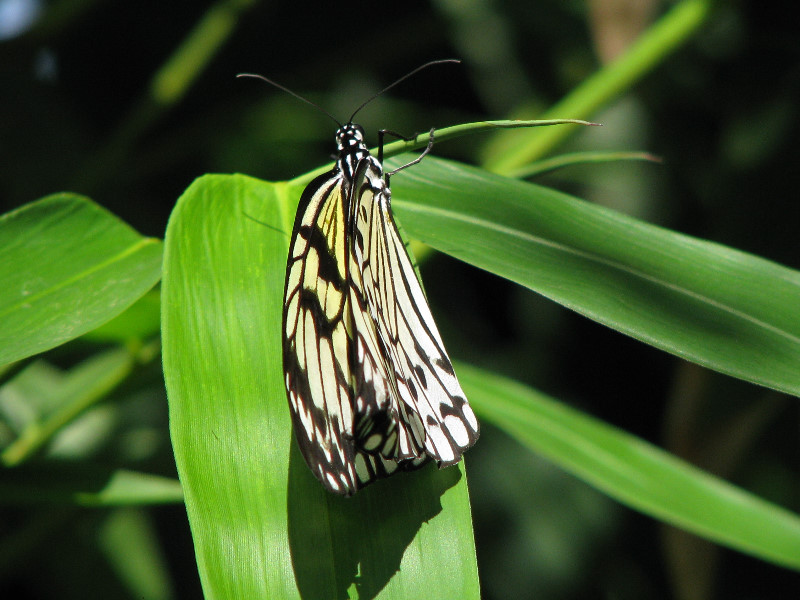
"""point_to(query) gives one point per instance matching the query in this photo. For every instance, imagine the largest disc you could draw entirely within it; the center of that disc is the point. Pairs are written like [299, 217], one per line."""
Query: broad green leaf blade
[391, 540]
[634, 472]
[67, 266]
[240, 469]
[722, 308]
[220, 334]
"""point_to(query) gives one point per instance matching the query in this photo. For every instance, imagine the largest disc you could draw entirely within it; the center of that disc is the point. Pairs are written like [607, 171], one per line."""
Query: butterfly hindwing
[433, 412]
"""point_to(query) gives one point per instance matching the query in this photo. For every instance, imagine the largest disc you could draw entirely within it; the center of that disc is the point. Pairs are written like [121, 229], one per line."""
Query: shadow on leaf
[338, 543]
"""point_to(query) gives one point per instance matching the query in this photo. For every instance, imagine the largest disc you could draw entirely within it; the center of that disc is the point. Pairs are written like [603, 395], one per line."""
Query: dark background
[76, 114]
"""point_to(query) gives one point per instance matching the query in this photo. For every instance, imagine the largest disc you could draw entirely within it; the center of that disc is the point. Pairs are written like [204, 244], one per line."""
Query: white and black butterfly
[370, 386]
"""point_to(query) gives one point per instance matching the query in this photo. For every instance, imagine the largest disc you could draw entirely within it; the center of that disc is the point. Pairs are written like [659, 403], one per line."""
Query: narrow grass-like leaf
[84, 485]
[130, 543]
[560, 161]
[636, 473]
[85, 385]
[722, 308]
[506, 153]
[229, 420]
[67, 266]
[421, 140]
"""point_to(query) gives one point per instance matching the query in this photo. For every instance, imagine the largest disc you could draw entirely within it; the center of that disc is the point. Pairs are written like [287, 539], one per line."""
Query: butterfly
[371, 388]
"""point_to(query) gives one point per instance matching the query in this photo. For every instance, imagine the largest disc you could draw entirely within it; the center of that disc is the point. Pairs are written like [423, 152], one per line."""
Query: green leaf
[140, 321]
[507, 153]
[130, 543]
[54, 402]
[560, 161]
[85, 485]
[68, 266]
[222, 295]
[421, 140]
[707, 303]
[635, 472]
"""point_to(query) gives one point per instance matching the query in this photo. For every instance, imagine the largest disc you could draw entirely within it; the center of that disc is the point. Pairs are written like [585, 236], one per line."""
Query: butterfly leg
[399, 136]
[388, 174]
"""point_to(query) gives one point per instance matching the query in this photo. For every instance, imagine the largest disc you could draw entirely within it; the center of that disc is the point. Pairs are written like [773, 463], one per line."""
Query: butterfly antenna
[296, 95]
[403, 78]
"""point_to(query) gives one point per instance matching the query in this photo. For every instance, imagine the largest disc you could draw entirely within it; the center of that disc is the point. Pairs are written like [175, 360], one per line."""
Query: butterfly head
[350, 137]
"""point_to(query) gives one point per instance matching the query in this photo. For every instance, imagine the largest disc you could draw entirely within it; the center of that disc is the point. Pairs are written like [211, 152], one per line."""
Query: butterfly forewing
[370, 386]
[316, 331]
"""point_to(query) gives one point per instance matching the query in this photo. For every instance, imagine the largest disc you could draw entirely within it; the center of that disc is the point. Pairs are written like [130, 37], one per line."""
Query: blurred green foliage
[129, 103]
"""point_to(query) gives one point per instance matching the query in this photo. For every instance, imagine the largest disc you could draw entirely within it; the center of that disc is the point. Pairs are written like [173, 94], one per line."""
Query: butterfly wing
[380, 436]
[370, 386]
[316, 334]
[330, 350]
[425, 401]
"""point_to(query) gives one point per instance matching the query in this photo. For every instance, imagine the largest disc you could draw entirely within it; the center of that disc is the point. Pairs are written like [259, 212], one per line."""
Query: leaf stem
[446, 133]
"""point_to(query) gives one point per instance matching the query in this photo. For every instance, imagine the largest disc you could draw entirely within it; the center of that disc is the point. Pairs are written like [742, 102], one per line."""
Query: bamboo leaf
[240, 469]
[636, 473]
[85, 485]
[68, 266]
[707, 303]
